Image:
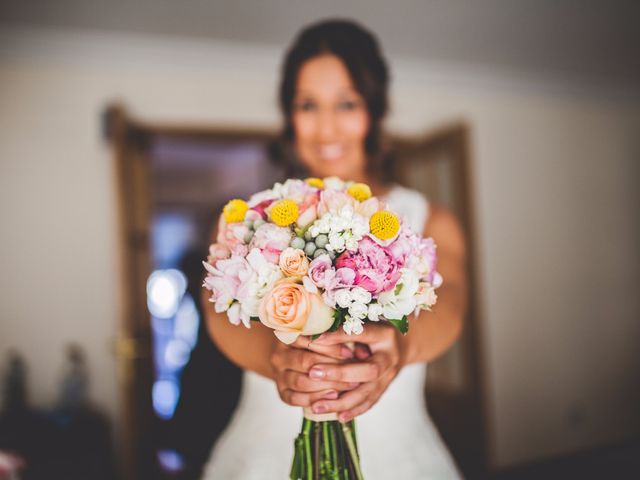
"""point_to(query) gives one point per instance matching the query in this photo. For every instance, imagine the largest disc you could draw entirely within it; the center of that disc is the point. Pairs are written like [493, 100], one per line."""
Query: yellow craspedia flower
[314, 182]
[235, 210]
[359, 191]
[384, 224]
[284, 212]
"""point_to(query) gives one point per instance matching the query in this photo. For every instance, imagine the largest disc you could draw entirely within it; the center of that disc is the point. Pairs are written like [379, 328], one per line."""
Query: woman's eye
[306, 106]
[347, 105]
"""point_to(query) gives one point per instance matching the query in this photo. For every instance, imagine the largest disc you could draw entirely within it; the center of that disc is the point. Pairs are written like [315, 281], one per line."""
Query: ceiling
[591, 41]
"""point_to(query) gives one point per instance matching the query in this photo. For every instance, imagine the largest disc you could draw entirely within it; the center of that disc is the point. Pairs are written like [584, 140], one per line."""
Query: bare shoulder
[446, 229]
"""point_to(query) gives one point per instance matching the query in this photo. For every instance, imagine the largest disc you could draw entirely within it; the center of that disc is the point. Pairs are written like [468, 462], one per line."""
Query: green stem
[353, 451]
[316, 450]
[307, 448]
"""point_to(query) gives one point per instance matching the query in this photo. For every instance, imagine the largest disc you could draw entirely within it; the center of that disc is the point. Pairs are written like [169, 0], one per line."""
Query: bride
[334, 98]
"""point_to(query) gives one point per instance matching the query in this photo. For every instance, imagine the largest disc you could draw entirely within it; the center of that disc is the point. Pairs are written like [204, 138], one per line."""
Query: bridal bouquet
[307, 257]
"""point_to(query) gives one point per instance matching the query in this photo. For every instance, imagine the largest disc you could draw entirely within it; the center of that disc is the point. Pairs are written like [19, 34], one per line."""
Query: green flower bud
[318, 252]
[322, 240]
[309, 248]
[298, 242]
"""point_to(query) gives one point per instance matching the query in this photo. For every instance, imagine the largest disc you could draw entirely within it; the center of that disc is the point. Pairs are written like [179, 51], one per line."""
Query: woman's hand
[380, 352]
[291, 364]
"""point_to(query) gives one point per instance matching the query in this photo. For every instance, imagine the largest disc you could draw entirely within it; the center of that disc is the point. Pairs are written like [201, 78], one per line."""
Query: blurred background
[124, 126]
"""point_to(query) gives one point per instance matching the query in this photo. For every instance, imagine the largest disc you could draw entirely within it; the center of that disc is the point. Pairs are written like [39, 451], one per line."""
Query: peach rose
[290, 310]
[294, 262]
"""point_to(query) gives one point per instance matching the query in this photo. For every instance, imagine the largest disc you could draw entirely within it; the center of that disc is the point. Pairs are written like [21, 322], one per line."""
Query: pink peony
[375, 267]
[321, 271]
[343, 278]
[404, 246]
[271, 240]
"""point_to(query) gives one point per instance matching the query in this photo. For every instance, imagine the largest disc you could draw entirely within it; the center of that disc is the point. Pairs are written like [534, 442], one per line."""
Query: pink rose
[294, 262]
[271, 240]
[290, 310]
[376, 269]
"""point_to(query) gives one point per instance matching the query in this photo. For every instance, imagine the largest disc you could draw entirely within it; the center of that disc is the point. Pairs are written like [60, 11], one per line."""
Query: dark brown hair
[359, 51]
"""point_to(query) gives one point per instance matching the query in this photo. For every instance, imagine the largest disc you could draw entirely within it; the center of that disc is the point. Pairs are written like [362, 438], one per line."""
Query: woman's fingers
[362, 398]
[370, 334]
[301, 382]
[362, 371]
[301, 399]
[299, 360]
[336, 351]
[361, 351]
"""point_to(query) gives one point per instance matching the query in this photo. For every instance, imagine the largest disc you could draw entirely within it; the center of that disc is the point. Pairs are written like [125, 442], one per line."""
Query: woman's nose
[327, 125]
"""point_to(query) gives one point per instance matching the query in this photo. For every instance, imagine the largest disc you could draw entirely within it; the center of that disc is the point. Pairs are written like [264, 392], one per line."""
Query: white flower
[374, 312]
[256, 283]
[426, 296]
[336, 242]
[344, 229]
[259, 197]
[352, 326]
[343, 297]
[400, 301]
[360, 295]
[333, 183]
[358, 310]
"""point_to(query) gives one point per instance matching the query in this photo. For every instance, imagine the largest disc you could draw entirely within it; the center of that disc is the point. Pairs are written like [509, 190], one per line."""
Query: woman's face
[330, 120]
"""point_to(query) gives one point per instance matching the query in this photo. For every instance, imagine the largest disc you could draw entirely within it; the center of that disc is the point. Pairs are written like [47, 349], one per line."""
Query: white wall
[554, 172]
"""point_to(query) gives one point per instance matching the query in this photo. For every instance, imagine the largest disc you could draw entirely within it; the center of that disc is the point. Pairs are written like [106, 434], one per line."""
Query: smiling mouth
[331, 152]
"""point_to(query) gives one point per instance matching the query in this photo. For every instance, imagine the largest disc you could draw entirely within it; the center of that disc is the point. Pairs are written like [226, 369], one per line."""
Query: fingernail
[354, 384]
[319, 408]
[344, 418]
[316, 373]
[346, 352]
[332, 395]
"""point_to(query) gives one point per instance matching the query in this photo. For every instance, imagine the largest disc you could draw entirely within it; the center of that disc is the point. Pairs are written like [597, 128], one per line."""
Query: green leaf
[402, 325]
[338, 318]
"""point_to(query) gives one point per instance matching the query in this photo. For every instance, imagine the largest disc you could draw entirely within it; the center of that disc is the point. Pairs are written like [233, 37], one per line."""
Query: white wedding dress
[396, 438]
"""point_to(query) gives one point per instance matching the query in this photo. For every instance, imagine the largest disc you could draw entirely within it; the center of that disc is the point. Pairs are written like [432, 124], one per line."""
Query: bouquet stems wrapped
[326, 450]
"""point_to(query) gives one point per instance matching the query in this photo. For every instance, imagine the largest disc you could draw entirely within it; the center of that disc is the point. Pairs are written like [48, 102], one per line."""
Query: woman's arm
[249, 348]
[433, 333]
[429, 336]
